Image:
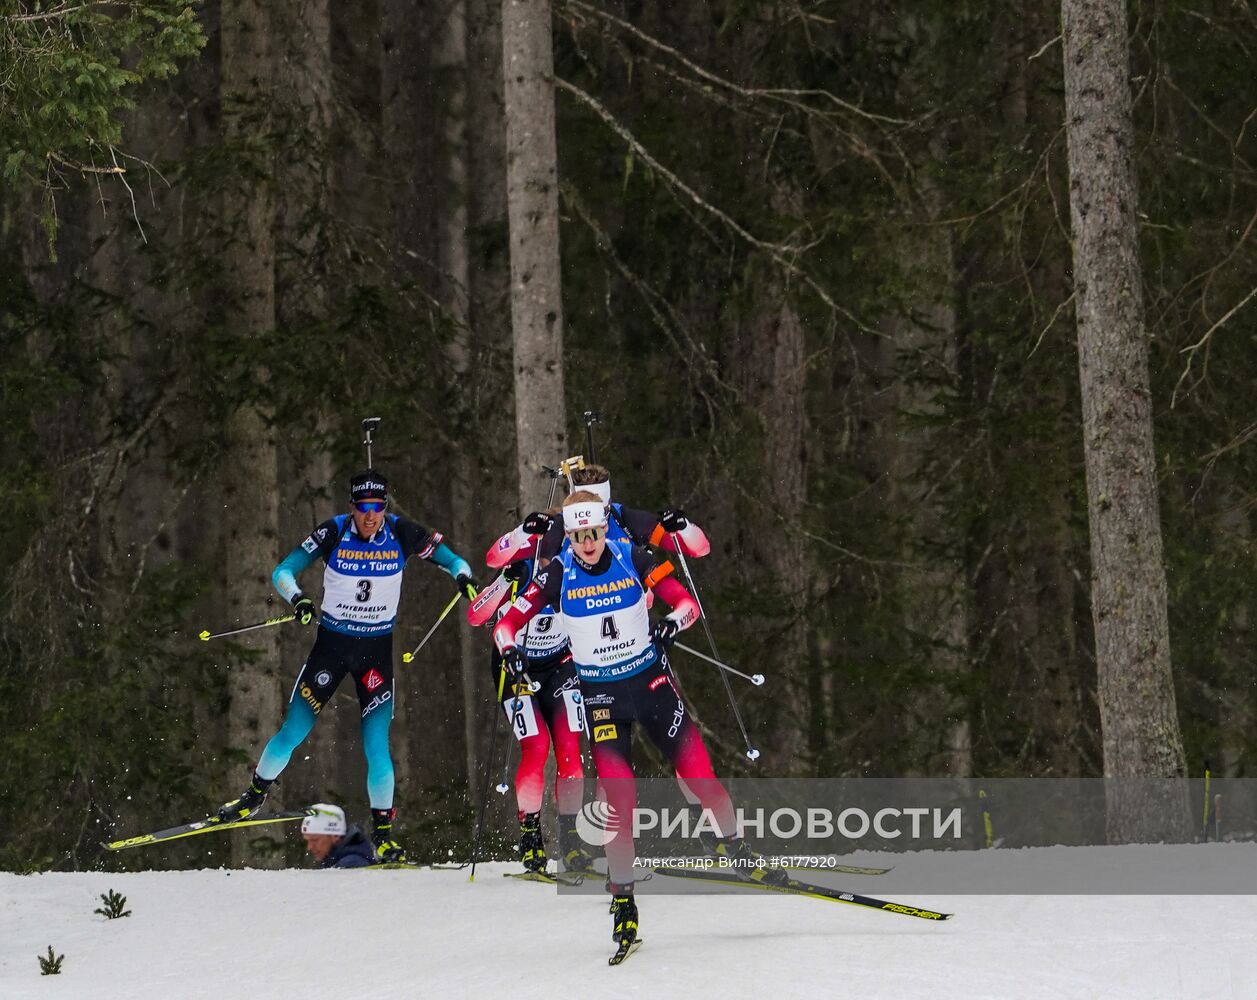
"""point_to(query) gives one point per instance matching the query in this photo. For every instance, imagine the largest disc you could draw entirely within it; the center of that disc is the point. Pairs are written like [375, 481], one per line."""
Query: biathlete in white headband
[625, 524]
[597, 588]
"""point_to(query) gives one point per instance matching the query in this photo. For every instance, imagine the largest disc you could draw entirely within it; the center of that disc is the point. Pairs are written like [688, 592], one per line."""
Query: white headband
[326, 819]
[602, 489]
[586, 514]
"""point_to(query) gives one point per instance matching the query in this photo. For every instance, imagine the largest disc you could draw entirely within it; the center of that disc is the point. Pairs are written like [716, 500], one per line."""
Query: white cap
[602, 489]
[586, 514]
[325, 819]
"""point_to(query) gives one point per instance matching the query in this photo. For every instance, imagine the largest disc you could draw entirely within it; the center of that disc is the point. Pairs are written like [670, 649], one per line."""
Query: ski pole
[521, 683]
[591, 417]
[751, 752]
[488, 770]
[207, 635]
[987, 829]
[1205, 823]
[369, 426]
[756, 679]
[407, 657]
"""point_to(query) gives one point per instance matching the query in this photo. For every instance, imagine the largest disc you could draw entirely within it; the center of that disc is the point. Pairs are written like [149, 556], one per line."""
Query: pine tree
[1128, 596]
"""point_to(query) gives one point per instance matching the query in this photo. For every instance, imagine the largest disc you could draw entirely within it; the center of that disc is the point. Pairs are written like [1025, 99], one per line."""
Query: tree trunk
[489, 315]
[249, 475]
[922, 346]
[1136, 688]
[303, 112]
[450, 64]
[428, 730]
[489, 277]
[773, 359]
[1042, 577]
[533, 208]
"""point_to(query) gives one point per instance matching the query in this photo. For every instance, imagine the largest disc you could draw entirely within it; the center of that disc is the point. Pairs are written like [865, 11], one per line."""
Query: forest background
[816, 275]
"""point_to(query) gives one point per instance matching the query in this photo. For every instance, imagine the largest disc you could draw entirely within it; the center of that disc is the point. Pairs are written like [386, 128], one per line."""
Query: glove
[517, 572]
[466, 586]
[664, 632]
[538, 523]
[673, 521]
[304, 609]
[513, 662]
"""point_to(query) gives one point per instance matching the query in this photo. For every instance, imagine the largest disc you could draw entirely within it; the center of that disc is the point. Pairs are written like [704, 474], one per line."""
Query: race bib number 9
[524, 720]
[575, 706]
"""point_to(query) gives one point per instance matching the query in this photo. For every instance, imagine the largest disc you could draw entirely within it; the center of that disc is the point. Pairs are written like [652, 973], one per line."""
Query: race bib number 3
[523, 721]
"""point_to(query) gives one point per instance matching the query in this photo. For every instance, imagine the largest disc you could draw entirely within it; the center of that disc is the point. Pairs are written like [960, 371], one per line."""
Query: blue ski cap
[368, 485]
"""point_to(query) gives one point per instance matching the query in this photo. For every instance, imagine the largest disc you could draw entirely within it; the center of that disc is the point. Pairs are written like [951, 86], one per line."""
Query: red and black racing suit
[648, 697]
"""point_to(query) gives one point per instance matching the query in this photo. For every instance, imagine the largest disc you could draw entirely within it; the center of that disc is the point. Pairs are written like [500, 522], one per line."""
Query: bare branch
[1050, 323]
[1192, 349]
[84, 168]
[671, 323]
[1046, 45]
[782, 254]
[135, 212]
[56, 12]
[721, 81]
[104, 477]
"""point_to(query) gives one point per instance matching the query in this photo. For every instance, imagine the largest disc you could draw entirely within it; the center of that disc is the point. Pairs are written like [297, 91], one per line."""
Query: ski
[624, 950]
[577, 876]
[209, 825]
[414, 865]
[545, 877]
[684, 863]
[549, 878]
[795, 887]
[840, 869]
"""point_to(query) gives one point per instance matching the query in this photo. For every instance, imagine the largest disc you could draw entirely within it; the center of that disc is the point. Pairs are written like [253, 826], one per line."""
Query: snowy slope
[402, 934]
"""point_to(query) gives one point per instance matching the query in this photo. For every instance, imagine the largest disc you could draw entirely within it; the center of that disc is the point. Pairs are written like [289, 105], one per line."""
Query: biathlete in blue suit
[364, 553]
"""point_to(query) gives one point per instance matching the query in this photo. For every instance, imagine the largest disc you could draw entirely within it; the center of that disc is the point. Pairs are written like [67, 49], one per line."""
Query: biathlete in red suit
[624, 675]
[544, 533]
[551, 716]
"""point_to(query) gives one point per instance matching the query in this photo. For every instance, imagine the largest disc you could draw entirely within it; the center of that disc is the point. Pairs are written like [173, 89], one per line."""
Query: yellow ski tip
[205, 636]
[117, 845]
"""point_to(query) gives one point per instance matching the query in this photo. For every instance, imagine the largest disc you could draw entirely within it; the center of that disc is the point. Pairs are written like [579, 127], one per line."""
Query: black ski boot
[623, 922]
[623, 915]
[248, 804]
[576, 855]
[532, 849]
[742, 862]
[387, 850]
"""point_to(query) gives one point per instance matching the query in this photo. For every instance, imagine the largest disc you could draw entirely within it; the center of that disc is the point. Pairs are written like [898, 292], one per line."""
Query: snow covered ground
[403, 934]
